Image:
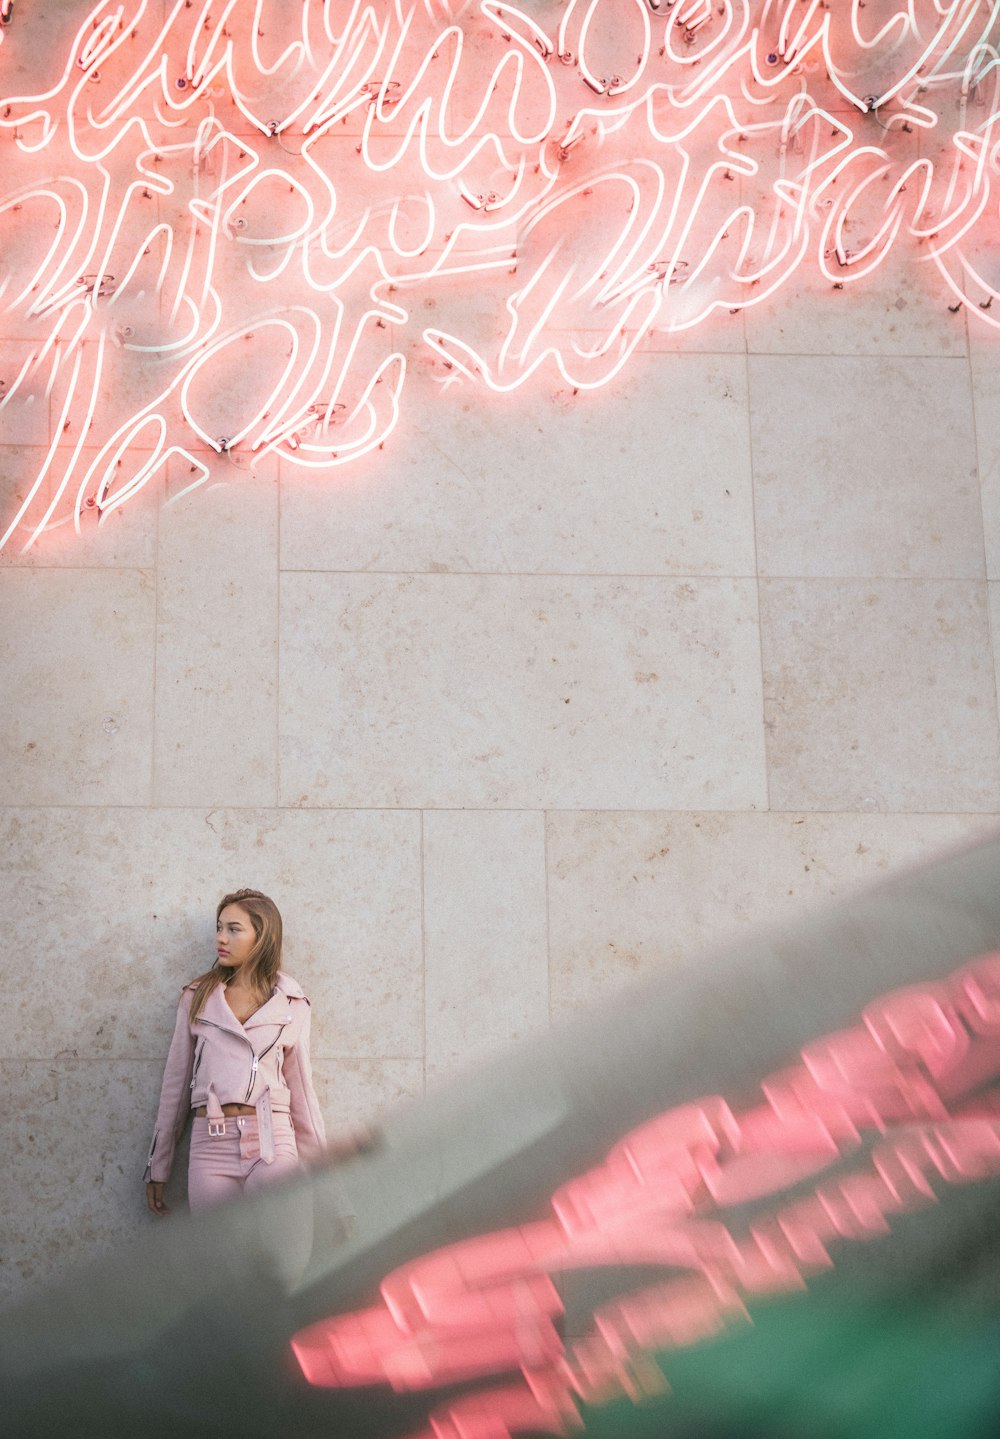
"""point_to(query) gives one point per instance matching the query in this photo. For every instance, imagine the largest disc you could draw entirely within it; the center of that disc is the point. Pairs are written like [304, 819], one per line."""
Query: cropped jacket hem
[239, 1064]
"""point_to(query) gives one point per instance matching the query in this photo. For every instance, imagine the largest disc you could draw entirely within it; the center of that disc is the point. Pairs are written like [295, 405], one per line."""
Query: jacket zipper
[256, 1061]
[256, 1057]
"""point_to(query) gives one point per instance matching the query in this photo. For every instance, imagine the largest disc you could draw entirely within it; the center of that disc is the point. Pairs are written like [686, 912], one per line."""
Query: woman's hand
[154, 1198]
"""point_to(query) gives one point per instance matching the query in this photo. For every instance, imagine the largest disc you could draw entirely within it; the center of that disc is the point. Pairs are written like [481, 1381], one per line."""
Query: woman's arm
[175, 1104]
[307, 1117]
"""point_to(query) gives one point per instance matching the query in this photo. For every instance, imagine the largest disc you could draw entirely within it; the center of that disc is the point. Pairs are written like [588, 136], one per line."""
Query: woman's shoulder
[290, 987]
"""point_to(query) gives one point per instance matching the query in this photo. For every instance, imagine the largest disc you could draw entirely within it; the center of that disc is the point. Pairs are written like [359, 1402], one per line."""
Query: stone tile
[985, 358]
[865, 466]
[631, 892]
[29, 57]
[123, 538]
[355, 1092]
[984, 338]
[900, 309]
[486, 960]
[77, 658]
[648, 476]
[351, 908]
[24, 433]
[129, 896]
[25, 405]
[216, 645]
[74, 1136]
[721, 332]
[44, 466]
[23, 505]
[122, 391]
[463, 691]
[879, 696]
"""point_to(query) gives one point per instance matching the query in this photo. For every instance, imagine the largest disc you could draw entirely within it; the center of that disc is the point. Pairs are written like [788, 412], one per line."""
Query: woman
[240, 1059]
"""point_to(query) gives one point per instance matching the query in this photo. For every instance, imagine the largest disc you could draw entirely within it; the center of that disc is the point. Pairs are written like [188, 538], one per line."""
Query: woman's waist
[279, 1101]
[201, 1111]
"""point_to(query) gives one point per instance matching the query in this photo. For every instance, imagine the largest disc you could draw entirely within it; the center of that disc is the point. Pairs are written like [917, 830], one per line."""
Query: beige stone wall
[545, 693]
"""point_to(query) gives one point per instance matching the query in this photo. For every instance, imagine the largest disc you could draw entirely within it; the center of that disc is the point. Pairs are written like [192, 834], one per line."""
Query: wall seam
[757, 582]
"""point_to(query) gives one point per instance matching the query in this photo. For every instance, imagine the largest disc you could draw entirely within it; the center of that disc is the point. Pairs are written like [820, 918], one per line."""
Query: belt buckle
[217, 1128]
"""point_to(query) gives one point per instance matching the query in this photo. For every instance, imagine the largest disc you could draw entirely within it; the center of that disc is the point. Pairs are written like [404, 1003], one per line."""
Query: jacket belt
[265, 1132]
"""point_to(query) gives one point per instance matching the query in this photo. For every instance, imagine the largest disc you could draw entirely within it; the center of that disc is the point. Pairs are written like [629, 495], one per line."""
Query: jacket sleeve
[307, 1117]
[175, 1095]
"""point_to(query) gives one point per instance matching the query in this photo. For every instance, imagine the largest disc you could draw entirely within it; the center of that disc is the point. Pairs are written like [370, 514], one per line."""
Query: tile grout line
[990, 630]
[112, 809]
[528, 574]
[757, 586]
[423, 952]
[666, 577]
[548, 912]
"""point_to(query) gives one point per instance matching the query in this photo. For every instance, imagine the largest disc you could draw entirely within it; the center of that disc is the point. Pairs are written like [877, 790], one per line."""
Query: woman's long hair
[263, 961]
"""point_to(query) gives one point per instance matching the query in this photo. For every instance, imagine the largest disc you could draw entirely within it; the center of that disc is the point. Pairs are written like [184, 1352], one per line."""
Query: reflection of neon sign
[907, 1074]
[570, 179]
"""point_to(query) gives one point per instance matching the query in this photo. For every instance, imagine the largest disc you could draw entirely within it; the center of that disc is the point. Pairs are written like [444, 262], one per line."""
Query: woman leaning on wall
[239, 1063]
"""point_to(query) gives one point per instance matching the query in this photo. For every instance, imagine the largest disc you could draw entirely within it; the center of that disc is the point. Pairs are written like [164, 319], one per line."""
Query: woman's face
[234, 936]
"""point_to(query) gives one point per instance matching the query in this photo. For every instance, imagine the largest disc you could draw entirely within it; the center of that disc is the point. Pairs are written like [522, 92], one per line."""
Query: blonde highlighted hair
[264, 960]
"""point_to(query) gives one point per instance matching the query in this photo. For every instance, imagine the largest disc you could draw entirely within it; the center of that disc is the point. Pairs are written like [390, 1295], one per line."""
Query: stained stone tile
[356, 1092]
[128, 904]
[486, 962]
[879, 695]
[57, 475]
[25, 405]
[74, 1135]
[984, 338]
[23, 506]
[46, 32]
[900, 309]
[351, 908]
[720, 333]
[865, 466]
[648, 476]
[631, 892]
[24, 441]
[77, 658]
[455, 691]
[123, 538]
[216, 649]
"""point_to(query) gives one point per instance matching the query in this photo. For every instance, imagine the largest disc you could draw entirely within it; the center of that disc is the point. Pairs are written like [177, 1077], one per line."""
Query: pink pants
[224, 1166]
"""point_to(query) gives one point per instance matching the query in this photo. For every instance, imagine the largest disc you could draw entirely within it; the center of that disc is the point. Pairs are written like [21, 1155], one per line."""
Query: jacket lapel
[217, 1011]
[274, 1011]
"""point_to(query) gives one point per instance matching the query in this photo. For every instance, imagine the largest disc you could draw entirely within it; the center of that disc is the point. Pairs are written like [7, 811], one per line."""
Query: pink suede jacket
[241, 1062]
